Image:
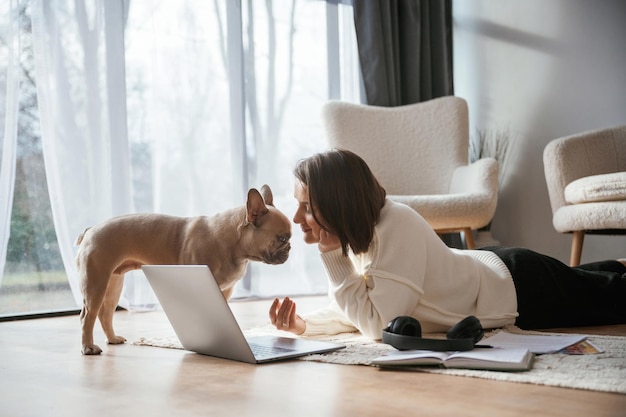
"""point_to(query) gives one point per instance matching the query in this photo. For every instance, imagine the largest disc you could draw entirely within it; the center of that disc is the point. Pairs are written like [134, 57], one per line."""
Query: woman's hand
[328, 241]
[283, 316]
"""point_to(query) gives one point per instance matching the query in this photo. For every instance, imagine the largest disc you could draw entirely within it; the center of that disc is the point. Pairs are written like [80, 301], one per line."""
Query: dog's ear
[268, 197]
[255, 207]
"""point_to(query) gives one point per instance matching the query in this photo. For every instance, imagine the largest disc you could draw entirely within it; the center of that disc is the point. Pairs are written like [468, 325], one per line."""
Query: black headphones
[405, 333]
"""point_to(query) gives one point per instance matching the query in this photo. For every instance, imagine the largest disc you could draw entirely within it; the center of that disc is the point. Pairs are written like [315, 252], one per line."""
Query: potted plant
[494, 144]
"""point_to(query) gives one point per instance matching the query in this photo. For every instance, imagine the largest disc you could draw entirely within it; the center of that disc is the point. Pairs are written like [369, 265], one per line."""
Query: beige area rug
[600, 372]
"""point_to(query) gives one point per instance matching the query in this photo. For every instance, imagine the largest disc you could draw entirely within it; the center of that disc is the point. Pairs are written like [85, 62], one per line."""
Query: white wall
[539, 70]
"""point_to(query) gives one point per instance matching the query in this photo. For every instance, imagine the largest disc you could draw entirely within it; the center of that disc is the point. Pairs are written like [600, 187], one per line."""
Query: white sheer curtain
[9, 67]
[79, 56]
[138, 105]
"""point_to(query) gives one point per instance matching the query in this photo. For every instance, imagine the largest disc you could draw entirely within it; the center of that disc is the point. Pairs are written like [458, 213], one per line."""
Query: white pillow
[605, 187]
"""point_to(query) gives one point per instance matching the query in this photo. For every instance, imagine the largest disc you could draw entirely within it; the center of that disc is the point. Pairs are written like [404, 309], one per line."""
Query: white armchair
[586, 179]
[419, 153]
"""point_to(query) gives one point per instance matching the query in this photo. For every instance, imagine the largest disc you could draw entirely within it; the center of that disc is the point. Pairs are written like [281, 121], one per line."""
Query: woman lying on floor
[383, 260]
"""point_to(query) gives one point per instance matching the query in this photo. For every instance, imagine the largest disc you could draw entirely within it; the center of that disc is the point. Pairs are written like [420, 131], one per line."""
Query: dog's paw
[116, 340]
[91, 350]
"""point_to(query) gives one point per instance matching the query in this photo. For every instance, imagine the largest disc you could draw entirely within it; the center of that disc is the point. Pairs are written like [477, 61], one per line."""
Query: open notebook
[204, 322]
[488, 359]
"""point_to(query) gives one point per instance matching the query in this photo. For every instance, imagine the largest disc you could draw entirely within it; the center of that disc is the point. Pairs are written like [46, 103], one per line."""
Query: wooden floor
[42, 373]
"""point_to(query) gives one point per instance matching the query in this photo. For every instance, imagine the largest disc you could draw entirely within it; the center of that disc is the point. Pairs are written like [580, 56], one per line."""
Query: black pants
[552, 294]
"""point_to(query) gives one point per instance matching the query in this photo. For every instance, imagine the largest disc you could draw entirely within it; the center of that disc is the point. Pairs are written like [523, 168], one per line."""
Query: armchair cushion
[609, 215]
[604, 187]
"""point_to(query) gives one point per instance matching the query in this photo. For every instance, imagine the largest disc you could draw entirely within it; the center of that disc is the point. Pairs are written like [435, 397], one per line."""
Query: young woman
[383, 260]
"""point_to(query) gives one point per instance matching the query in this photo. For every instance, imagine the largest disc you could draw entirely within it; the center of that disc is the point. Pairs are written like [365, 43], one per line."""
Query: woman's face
[304, 214]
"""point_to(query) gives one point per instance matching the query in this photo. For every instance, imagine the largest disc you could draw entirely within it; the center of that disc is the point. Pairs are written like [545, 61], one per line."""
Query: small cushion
[595, 188]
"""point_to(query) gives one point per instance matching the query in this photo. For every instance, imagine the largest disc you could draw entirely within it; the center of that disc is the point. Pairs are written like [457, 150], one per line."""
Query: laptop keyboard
[261, 351]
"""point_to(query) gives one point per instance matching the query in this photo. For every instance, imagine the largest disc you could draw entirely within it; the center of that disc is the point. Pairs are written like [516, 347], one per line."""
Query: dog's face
[269, 230]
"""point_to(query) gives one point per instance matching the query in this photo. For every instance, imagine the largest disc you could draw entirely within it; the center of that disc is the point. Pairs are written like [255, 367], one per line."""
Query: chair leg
[469, 238]
[577, 247]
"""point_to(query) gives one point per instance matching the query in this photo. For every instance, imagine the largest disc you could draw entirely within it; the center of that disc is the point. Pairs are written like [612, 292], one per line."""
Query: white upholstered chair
[586, 179]
[419, 153]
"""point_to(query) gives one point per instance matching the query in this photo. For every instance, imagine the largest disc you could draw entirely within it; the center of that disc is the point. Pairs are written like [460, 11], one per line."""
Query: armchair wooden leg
[469, 238]
[577, 247]
[467, 233]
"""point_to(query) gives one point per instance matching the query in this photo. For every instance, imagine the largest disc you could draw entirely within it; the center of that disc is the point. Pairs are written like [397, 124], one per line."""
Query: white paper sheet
[535, 343]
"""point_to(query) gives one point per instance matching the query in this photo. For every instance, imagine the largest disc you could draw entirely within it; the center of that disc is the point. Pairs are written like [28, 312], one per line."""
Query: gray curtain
[405, 49]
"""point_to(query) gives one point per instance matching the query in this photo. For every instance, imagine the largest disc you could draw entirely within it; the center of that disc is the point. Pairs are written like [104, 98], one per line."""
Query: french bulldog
[225, 242]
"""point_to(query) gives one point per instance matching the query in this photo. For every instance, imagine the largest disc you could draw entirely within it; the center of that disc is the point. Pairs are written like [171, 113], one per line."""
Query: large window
[174, 107]
[33, 278]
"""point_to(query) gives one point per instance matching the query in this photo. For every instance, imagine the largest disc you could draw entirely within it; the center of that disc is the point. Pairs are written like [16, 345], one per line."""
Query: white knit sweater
[408, 270]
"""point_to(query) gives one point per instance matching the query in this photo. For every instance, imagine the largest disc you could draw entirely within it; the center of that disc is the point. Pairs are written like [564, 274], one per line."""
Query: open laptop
[204, 322]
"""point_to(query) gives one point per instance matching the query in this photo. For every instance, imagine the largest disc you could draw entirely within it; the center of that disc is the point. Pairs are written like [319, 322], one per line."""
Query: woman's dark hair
[345, 197]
